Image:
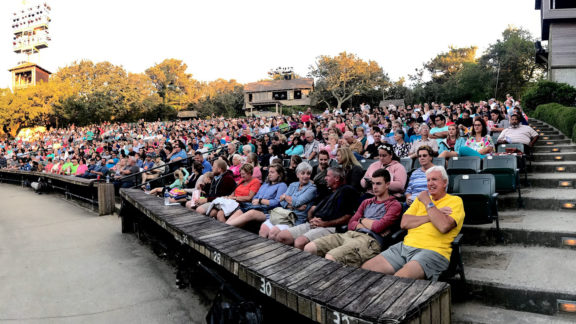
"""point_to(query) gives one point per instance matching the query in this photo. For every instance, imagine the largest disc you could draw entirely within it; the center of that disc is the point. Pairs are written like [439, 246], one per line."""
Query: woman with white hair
[235, 168]
[297, 199]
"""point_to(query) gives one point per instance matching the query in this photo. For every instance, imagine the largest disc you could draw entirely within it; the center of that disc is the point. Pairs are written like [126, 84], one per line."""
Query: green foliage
[446, 64]
[559, 116]
[160, 112]
[547, 91]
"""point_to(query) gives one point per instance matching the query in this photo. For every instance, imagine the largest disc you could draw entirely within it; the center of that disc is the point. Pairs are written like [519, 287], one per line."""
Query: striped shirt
[522, 134]
[417, 182]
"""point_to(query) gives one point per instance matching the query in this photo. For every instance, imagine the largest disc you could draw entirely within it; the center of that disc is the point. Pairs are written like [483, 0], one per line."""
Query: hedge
[559, 116]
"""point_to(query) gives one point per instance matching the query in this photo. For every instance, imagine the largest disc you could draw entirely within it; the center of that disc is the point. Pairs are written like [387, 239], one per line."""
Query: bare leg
[412, 269]
[311, 248]
[330, 257]
[273, 233]
[264, 231]
[213, 212]
[285, 237]
[379, 264]
[220, 216]
[301, 242]
[242, 219]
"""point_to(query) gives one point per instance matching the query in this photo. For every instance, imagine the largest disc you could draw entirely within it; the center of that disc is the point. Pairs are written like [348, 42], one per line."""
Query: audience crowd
[330, 184]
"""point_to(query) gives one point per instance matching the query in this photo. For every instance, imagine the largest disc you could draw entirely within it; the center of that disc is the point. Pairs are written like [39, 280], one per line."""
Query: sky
[243, 40]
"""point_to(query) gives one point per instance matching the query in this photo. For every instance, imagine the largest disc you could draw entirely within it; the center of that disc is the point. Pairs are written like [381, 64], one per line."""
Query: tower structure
[30, 35]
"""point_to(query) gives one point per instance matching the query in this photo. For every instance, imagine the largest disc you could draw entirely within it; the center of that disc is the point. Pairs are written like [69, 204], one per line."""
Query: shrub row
[559, 116]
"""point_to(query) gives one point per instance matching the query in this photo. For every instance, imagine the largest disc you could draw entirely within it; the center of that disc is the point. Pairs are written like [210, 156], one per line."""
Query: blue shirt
[271, 192]
[417, 183]
[304, 196]
[180, 154]
[207, 167]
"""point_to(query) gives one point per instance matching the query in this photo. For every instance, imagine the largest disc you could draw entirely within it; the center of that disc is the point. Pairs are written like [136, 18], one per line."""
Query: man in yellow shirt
[432, 221]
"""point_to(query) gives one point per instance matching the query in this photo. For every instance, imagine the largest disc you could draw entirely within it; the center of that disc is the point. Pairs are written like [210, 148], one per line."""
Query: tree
[173, 84]
[446, 64]
[512, 61]
[344, 76]
[221, 97]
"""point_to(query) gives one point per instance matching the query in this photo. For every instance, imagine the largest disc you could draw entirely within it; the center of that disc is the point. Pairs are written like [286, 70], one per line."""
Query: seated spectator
[297, 199]
[98, 169]
[352, 168]
[180, 177]
[479, 143]
[222, 185]
[353, 144]
[497, 123]
[401, 148]
[416, 136]
[47, 167]
[331, 146]
[417, 182]
[243, 194]
[433, 221]
[440, 129]
[128, 175]
[517, 133]
[319, 175]
[156, 170]
[81, 168]
[252, 159]
[296, 147]
[235, 167]
[361, 136]
[424, 141]
[372, 149]
[267, 198]
[312, 146]
[389, 161]
[194, 176]
[450, 146]
[291, 177]
[200, 158]
[332, 211]
[376, 218]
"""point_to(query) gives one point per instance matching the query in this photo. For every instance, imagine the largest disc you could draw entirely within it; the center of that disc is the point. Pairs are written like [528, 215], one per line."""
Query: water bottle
[166, 198]
[107, 179]
[148, 187]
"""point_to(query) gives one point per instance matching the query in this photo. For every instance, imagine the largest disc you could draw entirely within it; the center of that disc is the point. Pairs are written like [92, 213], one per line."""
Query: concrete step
[542, 142]
[531, 279]
[525, 227]
[540, 199]
[551, 166]
[551, 137]
[561, 156]
[559, 180]
[474, 312]
[561, 148]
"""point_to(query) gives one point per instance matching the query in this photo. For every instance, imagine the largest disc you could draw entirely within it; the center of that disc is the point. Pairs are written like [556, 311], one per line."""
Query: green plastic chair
[436, 161]
[478, 192]
[462, 165]
[505, 170]
[407, 163]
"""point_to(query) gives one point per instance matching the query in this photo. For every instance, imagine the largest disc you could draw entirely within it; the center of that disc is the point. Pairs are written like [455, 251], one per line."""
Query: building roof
[275, 85]
[29, 64]
[187, 114]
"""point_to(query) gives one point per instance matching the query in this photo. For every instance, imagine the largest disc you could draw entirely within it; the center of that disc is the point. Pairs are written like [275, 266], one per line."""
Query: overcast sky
[242, 40]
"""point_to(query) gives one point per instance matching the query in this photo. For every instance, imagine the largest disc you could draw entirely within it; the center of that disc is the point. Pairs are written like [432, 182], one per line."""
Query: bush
[545, 91]
[559, 116]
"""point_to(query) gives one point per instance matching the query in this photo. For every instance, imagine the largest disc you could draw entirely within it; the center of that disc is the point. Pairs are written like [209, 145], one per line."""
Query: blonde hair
[348, 158]
[179, 175]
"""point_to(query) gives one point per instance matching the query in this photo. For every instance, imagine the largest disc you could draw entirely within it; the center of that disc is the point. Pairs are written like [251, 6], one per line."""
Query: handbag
[281, 216]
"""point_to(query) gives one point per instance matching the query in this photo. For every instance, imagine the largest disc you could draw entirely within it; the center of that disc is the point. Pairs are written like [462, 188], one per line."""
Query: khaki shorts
[310, 233]
[350, 248]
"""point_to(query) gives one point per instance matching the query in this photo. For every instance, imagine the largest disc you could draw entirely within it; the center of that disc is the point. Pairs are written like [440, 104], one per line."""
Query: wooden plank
[313, 278]
[247, 260]
[435, 311]
[381, 304]
[445, 307]
[344, 282]
[304, 273]
[266, 270]
[399, 309]
[331, 279]
[432, 290]
[357, 306]
[346, 296]
[228, 247]
[289, 269]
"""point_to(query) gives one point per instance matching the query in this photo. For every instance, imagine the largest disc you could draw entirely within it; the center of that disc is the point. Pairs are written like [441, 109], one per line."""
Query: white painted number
[266, 287]
[340, 318]
[217, 258]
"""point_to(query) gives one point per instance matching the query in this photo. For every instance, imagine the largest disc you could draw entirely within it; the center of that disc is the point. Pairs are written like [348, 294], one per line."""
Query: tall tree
[172, 83]
[512, 61]
[344, 76]
[446, 64]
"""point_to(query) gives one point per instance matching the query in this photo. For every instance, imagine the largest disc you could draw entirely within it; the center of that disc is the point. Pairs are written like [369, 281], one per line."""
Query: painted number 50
[265, 287]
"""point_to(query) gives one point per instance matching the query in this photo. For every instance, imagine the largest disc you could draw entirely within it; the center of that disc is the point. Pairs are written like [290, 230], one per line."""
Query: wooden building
[28, 74]
[263, 95]
[558, 18]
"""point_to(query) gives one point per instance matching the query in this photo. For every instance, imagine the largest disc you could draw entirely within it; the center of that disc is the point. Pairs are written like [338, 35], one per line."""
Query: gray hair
[246, 149]
[442, 171]
[338, 172]
[304, 167]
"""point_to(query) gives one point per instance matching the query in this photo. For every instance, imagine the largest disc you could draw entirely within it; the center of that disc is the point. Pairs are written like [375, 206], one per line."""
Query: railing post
[106, 202]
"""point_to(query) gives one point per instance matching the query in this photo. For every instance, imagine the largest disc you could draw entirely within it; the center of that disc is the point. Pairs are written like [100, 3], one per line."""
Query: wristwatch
[430, 205]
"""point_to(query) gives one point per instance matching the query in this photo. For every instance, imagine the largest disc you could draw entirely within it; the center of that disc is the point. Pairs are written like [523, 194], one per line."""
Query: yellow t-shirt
[427, 236]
